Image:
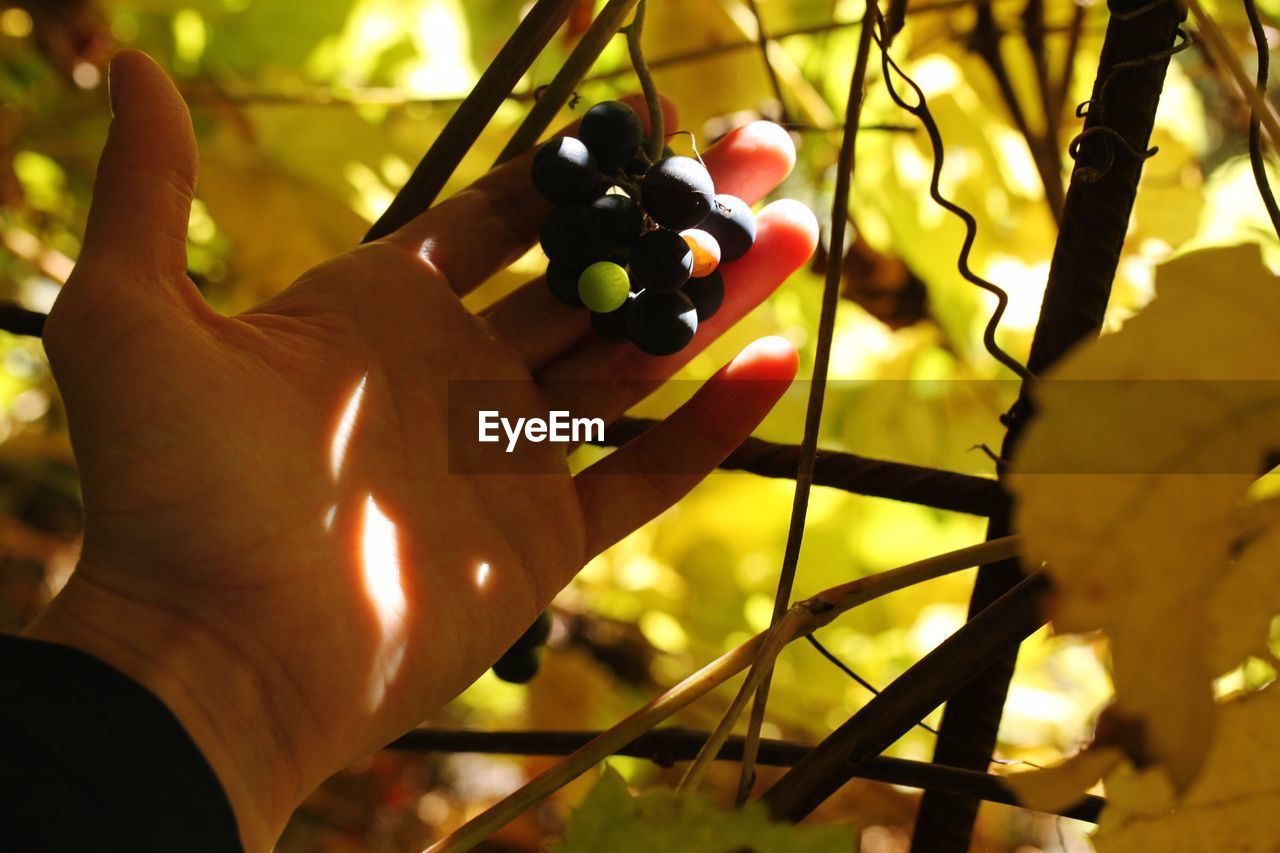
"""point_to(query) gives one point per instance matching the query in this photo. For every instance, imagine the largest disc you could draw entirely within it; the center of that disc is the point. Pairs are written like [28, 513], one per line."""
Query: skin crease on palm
[273, 544]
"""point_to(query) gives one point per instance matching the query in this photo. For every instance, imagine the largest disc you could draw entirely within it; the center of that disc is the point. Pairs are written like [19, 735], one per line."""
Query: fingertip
[768, 359]
[752, 160]
[135, 78]
[785, 239]
[766, 137]
[792, 228]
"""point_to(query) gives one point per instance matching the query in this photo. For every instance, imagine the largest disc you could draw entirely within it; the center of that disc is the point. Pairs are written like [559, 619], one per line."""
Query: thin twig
[469, 121]
[762, 42]
[895, 19]
[835, 661]
[1075, 29]
[782, 633]
[817, 389]
[1033, 28]
[800, 620]
[195, 90]
[920, 109]
[657, 129]
[1258, 102]
[666, 746]
[928, 683]
[557, 93]
[824, 607]
[898, 481]
[810, 103]
[592, 753]
[985, 41]
[1256, 160]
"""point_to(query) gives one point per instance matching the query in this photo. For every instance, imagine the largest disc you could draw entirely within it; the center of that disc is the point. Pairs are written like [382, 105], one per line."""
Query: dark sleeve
[91, 760]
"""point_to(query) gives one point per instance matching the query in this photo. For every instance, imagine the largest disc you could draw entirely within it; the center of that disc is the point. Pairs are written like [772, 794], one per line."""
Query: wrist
[216, 696]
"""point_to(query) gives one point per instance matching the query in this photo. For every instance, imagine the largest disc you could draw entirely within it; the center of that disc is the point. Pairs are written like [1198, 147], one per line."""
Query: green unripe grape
[603, 287]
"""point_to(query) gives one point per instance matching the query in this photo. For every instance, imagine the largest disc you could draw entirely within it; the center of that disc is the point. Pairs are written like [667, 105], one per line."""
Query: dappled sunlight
[384, 586]
[346, 426]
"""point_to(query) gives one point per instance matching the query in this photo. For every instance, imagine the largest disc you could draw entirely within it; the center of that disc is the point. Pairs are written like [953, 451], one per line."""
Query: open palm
[274, 542]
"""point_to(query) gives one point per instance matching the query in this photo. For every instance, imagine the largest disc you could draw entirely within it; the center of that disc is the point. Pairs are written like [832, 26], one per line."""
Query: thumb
[135, 240]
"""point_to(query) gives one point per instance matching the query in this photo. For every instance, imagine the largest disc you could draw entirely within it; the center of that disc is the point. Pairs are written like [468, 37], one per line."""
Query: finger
[647, 475]
[597, 379]
[749, 163]
[487, 226]
[137, 228]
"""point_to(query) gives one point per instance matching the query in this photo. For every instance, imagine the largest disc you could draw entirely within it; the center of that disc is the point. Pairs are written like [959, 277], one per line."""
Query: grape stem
[817, 394]
[657, 129]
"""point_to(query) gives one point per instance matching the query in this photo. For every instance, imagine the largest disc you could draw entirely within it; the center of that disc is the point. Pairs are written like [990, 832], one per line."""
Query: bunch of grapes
[519, 664]
[638, 243]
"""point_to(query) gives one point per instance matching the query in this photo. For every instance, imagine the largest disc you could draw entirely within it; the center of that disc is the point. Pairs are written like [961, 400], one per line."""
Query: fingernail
[769, 359]
[115, 82]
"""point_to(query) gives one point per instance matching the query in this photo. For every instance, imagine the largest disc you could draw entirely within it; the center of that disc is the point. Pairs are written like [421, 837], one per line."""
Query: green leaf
[613, 819]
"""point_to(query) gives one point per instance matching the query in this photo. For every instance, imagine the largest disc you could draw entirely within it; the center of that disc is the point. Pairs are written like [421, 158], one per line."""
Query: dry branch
[466, 125]
[667, 746]
[919, 690]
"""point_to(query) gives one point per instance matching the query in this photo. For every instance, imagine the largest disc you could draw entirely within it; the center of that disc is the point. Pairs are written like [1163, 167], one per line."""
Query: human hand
[274, 544]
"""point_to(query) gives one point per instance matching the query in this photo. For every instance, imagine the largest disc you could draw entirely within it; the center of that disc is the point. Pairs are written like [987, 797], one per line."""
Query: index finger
[487, 226]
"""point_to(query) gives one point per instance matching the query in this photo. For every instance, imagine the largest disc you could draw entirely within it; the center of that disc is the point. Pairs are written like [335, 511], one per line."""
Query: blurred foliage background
[310, 116]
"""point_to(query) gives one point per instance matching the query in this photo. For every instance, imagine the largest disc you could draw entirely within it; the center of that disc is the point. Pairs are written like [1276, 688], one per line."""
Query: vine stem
[558, 92]
[1131, 67]
[818, 387]
[469, 121]
[670, 744]
[657, 127]
[822, 609]
[1256, 160]
[782, 633]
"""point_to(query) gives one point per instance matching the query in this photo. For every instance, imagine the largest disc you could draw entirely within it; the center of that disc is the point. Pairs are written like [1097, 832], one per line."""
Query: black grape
[564, 236]
[536, 634]
[517, 666]
[661, 323]
[660, 261]
[562, 281]
[565, 171]
[611, 130]
[706, 294]
[678, 193]
[733, 225]
[613, 222]
[612, 327]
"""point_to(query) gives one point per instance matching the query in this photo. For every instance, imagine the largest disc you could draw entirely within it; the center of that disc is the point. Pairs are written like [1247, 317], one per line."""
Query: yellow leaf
[1132, 482]
[1229, 807]
[1055, 788]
